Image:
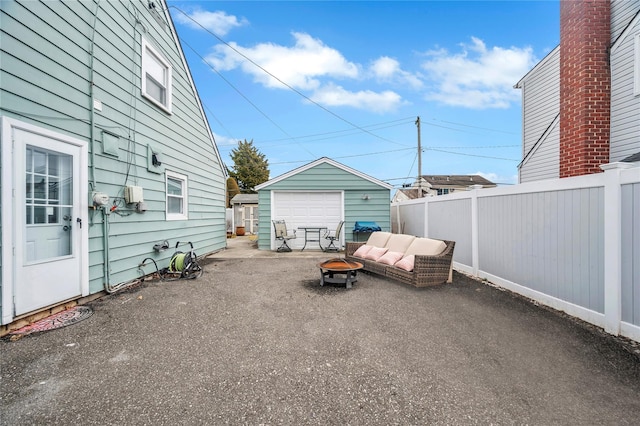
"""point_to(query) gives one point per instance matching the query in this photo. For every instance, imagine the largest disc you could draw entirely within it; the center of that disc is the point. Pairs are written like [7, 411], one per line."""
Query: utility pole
[419, 160]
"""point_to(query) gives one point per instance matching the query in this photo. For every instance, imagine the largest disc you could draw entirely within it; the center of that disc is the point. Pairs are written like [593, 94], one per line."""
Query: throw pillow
[362, 251]
[391, 257]
[375, 253]
[406, 263]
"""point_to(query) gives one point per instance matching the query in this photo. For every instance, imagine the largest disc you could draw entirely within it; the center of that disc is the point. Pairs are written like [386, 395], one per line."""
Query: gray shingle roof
[457, 180]
[245, 199]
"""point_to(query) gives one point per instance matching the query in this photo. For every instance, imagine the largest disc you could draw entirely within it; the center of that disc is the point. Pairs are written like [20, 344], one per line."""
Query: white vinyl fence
[572, 244]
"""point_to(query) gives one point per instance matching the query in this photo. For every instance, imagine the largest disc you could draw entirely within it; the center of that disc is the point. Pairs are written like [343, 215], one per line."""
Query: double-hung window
[177, 200]
[156, 77]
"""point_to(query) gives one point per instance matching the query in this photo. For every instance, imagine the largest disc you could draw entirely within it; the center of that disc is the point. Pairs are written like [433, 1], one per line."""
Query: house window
[636, 65]
[177, 201]
[443, 191]
[156, 77]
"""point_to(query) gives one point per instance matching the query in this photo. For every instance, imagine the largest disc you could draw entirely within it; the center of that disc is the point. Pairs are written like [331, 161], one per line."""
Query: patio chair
[280, 228]
[333, 237]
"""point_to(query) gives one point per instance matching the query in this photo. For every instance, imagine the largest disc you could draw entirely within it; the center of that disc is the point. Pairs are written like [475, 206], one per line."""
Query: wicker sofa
[432, 259]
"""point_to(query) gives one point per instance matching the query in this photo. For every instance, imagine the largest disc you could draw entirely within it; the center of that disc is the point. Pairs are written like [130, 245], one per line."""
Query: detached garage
[322, 194]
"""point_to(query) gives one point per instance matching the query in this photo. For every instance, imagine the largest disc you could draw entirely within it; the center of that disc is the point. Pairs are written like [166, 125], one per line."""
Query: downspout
[105, 248]
[91, 100]
[105, 211]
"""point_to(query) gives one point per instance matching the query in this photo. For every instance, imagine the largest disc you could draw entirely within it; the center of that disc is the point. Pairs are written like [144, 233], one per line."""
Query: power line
[347, 132]
[241, 94]
[348, 156]
[475, 127]
[472, 155]
[278, 79]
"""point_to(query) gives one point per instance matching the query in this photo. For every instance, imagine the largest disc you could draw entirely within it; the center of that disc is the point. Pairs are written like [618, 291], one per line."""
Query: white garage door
[307, 209]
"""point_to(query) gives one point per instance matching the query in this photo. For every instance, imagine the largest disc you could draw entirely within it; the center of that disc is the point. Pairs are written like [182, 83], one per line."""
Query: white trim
[8, 214]
[176, 41]
[146, 46]
[629, 330]
[321, 161]
[636, 65]
[547, 58]
[185, 196]
[542, 140]
[7, 222]
[593, 317]
[620, 41]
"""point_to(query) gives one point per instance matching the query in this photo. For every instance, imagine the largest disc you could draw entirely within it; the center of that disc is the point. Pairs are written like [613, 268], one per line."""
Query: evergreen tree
[232, 190]
[250, 168]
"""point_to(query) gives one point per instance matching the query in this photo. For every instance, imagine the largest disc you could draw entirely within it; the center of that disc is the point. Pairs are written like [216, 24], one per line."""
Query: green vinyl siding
[327, 177]
[46, 81]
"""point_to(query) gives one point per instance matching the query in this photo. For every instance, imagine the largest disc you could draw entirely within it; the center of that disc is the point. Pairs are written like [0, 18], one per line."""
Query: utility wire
[219, 122]
[279, 80]
[241, 94]
[471, 155]
[348, 132]
[349, 156]
[474, 127]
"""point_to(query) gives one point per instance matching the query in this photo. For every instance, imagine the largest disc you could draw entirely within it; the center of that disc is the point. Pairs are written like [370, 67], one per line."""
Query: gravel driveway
[258, 341]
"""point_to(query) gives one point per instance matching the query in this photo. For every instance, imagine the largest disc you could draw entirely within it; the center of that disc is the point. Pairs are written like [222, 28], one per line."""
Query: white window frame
[185, 198]
[147, 50]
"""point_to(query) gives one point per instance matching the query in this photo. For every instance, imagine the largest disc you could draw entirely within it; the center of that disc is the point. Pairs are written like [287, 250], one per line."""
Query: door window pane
[48, 204]
[39, 162]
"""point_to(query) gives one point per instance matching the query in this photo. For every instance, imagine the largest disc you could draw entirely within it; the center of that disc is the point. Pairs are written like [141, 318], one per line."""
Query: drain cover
[59, 320]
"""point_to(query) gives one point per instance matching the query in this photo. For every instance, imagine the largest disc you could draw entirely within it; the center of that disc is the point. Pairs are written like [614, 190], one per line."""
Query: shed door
[307, 209]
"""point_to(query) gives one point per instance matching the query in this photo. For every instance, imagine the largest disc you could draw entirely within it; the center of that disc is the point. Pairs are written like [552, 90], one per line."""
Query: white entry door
[47, 220]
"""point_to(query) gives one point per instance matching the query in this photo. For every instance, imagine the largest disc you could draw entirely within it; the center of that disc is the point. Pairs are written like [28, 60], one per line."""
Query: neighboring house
[406, 194]
[432, 185]
[245, 212]
[106, 150]
[321, 193]
[448, 184]
[581, 103]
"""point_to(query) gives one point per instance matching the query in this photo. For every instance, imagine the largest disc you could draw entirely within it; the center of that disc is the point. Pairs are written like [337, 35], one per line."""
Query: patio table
[312, 235]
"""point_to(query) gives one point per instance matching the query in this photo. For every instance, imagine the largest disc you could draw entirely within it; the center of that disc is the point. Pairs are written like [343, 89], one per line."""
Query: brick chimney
[585, 86]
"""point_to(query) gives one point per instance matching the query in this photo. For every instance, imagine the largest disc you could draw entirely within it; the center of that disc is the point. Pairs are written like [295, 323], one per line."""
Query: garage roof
[321, 161]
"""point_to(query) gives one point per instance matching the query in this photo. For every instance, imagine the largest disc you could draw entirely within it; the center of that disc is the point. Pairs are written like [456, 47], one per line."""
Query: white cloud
[379, 102]
[478, 77]
[217, 22]
[387, 69]
[299, 66]
[224, 140]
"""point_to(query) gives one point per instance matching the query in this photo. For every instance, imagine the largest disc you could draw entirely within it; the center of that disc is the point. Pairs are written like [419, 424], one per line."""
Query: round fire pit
[339, 271]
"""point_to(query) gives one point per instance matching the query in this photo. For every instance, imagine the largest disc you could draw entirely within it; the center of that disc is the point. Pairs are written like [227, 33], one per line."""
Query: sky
[348, 80]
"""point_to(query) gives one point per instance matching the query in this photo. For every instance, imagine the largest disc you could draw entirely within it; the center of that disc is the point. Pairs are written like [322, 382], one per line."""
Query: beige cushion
[391, 257]
[378, 239]
[399, 242]
[362, 251]
[406, 263]
[426, 247]
[375, 253]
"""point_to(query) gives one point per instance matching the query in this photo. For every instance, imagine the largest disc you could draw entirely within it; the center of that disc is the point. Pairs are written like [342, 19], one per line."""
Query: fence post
[426, 217]
[612, 246]
[475, 244]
